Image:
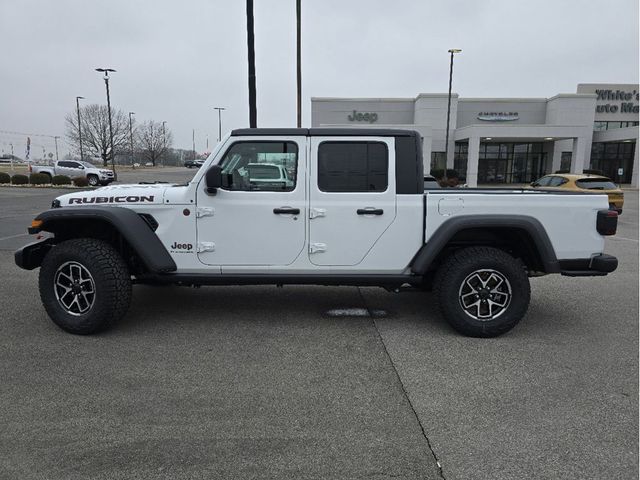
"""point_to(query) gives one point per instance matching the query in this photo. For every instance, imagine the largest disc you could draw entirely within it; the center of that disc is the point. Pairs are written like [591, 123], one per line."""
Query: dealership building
[508, 140]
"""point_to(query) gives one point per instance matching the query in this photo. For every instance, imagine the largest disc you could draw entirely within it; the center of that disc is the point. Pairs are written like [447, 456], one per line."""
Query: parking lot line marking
[625, 238]
[14, 236]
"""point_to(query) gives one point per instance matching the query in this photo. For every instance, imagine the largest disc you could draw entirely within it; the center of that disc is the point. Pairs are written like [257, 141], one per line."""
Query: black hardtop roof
[324, 132]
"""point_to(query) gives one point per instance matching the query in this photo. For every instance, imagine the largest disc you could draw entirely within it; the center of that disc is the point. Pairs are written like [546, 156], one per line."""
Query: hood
[117, 195]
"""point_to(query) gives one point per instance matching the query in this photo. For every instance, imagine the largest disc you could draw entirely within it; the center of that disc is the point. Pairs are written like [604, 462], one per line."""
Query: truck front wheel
[482, 291]
[85, 285]
[93, 180]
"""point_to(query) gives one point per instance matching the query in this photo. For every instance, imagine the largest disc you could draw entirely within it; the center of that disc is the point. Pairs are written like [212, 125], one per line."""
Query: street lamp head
[79, 98]
[105, 70]
[132, 113]
[455, 50]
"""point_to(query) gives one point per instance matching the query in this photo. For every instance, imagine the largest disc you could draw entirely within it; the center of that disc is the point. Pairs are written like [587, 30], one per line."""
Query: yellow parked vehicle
[584, 183]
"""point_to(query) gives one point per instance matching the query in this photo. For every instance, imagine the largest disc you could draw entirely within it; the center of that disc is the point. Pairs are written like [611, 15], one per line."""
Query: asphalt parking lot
[261, 382]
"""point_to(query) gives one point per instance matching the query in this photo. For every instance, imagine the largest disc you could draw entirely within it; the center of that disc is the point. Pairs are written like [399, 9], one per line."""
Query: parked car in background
[431, 182]
[584, 183]
[269, 174]
[74, 169]
[193, 163]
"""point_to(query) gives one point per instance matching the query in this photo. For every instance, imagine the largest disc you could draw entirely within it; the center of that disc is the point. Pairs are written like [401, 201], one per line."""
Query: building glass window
[565, 162]
[511, 162]
[460, 155]
[611, 156]
[438, 160]
[602, 125]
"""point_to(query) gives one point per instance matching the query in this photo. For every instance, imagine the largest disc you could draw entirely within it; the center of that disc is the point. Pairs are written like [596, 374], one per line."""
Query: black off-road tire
[110, 280]
[459, 281]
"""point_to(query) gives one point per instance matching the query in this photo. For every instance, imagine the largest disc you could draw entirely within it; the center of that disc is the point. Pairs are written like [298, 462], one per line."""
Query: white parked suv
[354, 211]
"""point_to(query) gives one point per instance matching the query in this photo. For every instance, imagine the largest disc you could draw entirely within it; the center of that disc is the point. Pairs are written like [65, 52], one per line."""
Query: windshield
[88, 165]
[596, 184]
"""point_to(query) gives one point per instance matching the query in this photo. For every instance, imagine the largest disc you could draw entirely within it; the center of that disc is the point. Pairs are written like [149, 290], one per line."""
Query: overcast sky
[176, 60]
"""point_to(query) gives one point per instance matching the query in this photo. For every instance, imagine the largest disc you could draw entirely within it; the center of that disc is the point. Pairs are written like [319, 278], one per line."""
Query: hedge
[61, 180]
[5, 177]
[19, 179]
[38, 179]
[81, 182]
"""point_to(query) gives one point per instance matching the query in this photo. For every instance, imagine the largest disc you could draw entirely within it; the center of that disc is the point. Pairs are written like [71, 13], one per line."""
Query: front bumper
[599, 265]
[30, 256]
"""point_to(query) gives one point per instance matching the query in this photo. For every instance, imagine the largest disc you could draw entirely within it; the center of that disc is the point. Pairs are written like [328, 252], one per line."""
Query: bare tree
[95, 131]
[153, 142]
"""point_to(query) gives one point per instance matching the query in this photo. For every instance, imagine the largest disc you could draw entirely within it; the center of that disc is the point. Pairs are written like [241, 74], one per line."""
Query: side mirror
[534, 184]
[213, 179]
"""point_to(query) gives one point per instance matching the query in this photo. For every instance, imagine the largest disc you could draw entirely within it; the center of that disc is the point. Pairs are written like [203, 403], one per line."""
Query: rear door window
[353, 167]
[596, 184]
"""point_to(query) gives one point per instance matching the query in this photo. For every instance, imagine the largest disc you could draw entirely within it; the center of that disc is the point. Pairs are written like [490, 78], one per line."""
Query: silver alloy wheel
[75, 288]
[93, 180]
[485, 294]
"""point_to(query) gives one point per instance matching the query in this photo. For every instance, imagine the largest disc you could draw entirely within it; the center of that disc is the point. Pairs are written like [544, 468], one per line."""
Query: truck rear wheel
[482, 291]
[85, 285]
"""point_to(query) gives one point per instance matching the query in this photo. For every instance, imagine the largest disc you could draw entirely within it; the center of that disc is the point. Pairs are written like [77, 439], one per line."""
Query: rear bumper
[30, 256]
[589, 267]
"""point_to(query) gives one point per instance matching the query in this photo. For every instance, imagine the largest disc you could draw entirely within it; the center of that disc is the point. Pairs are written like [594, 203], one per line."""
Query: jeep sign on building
[509, 140]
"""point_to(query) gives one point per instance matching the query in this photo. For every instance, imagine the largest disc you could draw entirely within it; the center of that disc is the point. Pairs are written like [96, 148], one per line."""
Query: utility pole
[299, 59]
[55, 139]
[251, 58]
[12, 156]
[219, 109]
[131, 137]
[111, 153]
[79, 128]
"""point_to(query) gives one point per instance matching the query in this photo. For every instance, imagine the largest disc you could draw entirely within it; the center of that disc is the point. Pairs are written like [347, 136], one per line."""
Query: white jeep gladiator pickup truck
[354, 212]
[73, 169]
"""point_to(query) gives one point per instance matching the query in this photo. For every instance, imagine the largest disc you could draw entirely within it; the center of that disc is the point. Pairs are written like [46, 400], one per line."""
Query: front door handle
[369, 211]
[286, 211]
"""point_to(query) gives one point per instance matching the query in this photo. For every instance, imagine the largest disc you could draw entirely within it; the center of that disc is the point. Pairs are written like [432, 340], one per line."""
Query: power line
[28, 134]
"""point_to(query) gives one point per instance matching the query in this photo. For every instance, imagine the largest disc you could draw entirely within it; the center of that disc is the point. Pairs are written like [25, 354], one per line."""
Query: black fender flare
[128, 223]
[438, 241]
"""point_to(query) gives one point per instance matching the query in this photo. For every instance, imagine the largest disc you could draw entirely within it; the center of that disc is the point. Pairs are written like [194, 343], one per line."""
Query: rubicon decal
[123, 199]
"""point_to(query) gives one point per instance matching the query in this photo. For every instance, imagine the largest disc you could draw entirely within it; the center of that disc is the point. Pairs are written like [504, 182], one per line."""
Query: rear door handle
[286, 211]
[369, 211]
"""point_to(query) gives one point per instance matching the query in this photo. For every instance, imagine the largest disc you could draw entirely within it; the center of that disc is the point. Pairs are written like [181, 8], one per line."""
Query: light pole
[131, 137]
[111, 153]
[193, 141]
[55, 139]
[164, 143]
[12, 157]
[446, 148]
[251, 59]
[219, 109]
[79, 128]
